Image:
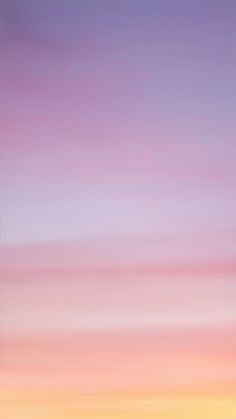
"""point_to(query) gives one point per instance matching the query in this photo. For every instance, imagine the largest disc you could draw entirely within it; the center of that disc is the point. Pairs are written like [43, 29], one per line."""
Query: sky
[117, 215]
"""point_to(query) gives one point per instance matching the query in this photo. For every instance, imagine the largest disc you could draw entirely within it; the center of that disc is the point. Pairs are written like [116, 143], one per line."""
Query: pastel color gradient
[118, 209]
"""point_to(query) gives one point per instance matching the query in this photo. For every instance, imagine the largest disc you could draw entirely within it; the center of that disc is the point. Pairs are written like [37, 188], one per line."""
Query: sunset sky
[118, 209]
